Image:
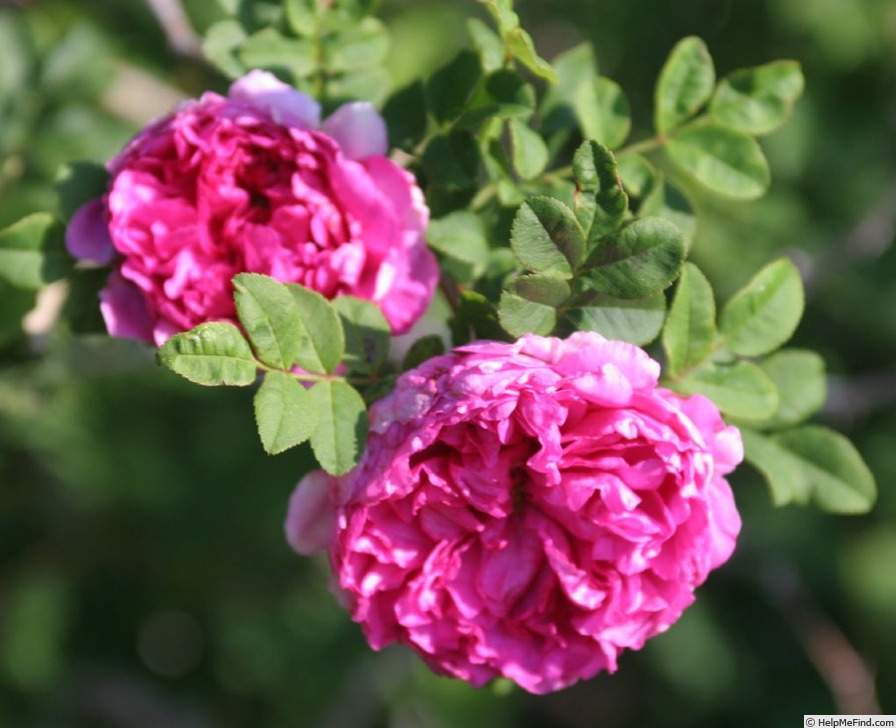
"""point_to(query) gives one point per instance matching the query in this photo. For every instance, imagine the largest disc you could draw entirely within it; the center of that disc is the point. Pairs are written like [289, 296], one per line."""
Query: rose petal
[359, 129]
[124, 309]
[285, 104]
[87, 235]
[310, 518]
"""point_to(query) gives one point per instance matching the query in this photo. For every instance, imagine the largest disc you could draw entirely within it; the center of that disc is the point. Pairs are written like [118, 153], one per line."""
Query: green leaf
[14, 304]
[812, 463]
[269, 314]
[32, 252]
[364, 84]
[460, 238]
[505, 95]
[367, 333]
[541, 289]
[637, 321]
[530, 155]
[639, 260]
[800, 379]
[340, 435]
[600, 201]
[450, 89]
[684, 85]
[81, 309]
[301, 16]
[321, 339]
[603, 111]
[284, 413]
[520, 45]
[405, 116]
[477, 316]
[643, 182]
[739, 388]
[671, 204]
[268, 49]
[764, 313]
[451, 161]
[220, 46]
[423, 349]
[722, 160]
[519, 316]
[488, 44]
[758, 100]
[690, 332]
[77, 183]
[502, 12]
[575, 68]
[365, 44]
[211, 354]
[546, 237]
[517, 42]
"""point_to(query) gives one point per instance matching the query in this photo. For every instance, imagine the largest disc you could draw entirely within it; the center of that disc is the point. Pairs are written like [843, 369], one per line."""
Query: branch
[178, 30]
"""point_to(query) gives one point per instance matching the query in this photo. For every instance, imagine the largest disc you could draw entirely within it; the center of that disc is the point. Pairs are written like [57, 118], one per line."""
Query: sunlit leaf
[211, 354]
[285, 413]
[764, 313]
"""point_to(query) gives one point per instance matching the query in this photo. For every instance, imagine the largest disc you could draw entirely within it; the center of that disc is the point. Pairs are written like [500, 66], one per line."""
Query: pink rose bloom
[527, 510]
[253, 182]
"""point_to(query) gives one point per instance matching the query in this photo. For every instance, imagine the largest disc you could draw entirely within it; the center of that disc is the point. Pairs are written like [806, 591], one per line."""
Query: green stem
[645, 145]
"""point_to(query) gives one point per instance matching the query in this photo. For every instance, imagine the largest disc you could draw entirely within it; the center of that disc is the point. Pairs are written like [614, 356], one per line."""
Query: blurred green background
[144, 580]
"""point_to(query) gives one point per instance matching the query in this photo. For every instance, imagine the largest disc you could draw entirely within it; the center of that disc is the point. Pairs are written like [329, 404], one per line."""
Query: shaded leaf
[423, 349]
[758, 100]
[450, 89]
[530, 155]
[637, 321]
[812, 464]
[739, 388]
[574, 67]
[603, 111]
[367, 333]
[405, 116]
[211, 354]
[77, 183]
[519, 316]
[32, 252]
[690, 331]
[451, 161]
[540, 289]
[799, 377]
[460, 238]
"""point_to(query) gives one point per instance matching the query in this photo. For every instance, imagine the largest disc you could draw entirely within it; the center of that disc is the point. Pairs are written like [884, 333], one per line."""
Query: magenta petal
[87, 234]
[265, 91]
[359, 129]
[309, 521]
[124, 309]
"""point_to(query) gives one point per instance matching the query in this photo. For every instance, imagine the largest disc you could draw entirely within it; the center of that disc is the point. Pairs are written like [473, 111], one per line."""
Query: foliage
[558, 206]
